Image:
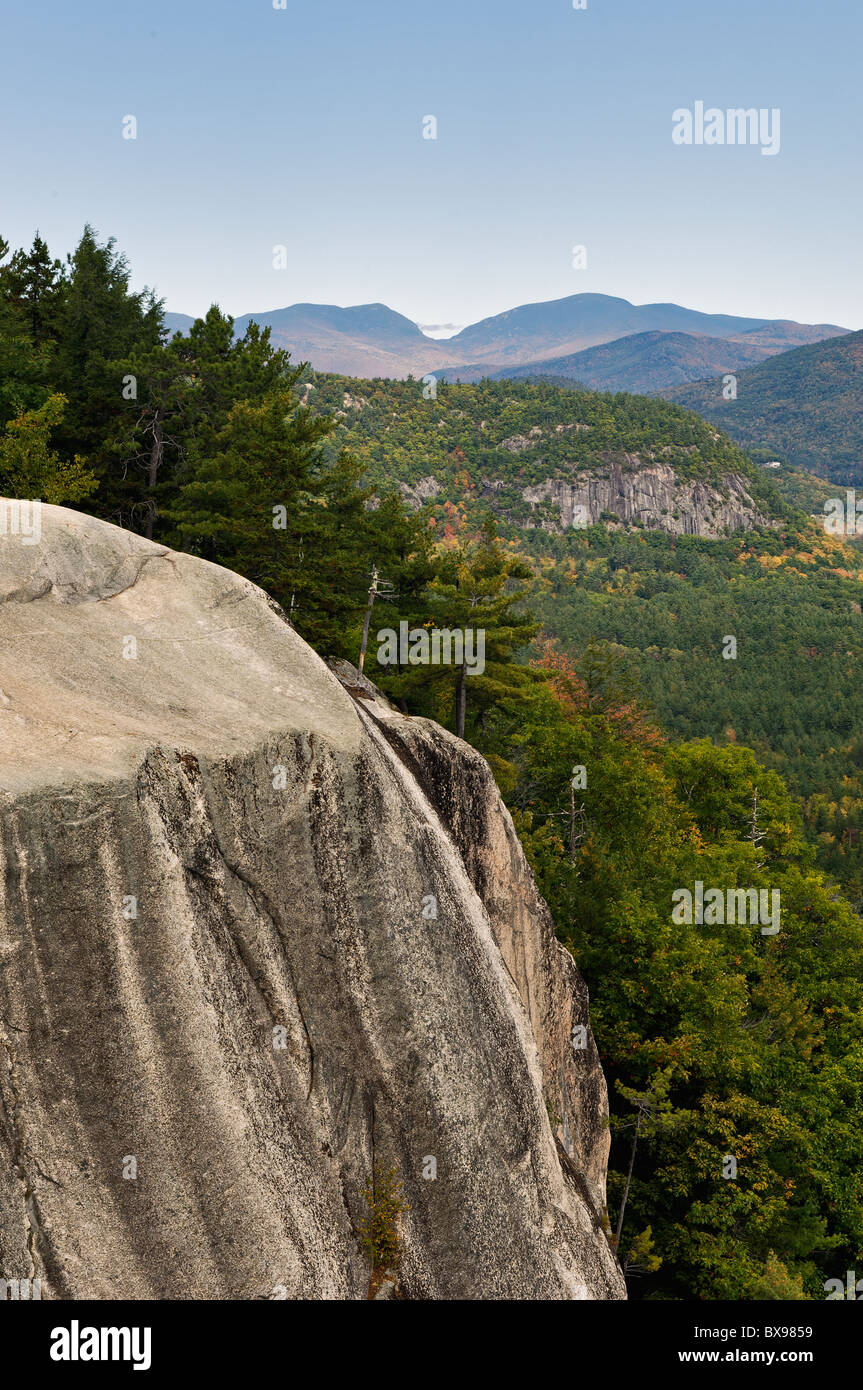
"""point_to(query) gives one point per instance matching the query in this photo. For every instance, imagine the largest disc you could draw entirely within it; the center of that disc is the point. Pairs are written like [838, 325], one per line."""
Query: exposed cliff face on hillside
[220, 998]
[627, 492]
[654, 496]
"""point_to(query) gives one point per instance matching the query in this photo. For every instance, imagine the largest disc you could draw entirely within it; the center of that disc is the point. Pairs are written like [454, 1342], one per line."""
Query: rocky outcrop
[258, 934]
[415, 495]
[654, 496]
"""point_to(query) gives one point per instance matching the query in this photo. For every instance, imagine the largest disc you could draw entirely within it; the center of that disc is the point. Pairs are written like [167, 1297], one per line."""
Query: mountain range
[642, 363]
[646, 347]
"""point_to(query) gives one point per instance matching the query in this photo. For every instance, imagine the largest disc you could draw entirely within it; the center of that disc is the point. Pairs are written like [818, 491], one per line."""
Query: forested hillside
[790, 596]
[791, 691]
[516, 432]
[804, 406]
[610, 707]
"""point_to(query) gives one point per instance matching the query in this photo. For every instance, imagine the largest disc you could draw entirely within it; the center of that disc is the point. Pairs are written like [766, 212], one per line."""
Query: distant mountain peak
[373, 340]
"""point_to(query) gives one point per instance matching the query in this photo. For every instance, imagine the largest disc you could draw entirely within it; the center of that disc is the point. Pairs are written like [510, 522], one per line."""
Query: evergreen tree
[23, 364]
[221, 370]
[472, 591]
[144, 452]
[101, 325]
[265, 502]
[179, 398]
[35, 284]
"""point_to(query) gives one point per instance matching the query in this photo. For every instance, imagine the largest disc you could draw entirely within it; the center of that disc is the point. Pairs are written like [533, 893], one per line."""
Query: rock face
[221, 1003]
[417, 494]
[653, 495]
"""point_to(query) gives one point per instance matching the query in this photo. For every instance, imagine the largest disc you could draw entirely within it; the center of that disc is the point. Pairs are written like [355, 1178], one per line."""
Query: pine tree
[265, 502]
[221, 370]
[23, 363]
[35, 284]
[472, 591]
[101, 324]
[177, 399]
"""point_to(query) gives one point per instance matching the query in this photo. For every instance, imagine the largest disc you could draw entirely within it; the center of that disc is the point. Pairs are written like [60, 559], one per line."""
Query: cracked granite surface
[215, 970]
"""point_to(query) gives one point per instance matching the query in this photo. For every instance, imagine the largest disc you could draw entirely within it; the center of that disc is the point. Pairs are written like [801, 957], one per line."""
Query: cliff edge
[259, 933]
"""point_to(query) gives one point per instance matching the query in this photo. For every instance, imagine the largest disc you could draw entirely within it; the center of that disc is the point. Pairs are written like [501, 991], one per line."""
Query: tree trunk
[156, 455]
[626, 1189]
[372, 594]
[461, 701]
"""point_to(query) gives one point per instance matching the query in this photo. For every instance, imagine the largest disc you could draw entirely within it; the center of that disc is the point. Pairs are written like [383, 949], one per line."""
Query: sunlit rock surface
[653, 496]
[220, 1001]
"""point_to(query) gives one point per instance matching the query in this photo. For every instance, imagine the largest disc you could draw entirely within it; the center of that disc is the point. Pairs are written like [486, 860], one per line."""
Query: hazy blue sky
[303, 127]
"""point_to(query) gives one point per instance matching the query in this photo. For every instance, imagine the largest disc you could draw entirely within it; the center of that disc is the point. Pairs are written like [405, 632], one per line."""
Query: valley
[663, 691]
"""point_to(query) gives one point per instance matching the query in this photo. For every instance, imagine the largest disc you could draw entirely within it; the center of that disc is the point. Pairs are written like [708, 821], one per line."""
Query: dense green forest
[803, 405]
[616, 728]
[803, 490]
[718, 1042]
[790, 596]
[791, 691]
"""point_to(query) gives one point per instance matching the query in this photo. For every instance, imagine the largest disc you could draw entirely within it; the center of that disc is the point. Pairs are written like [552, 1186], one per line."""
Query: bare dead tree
[639, 1117]
[756, 834]
[373, 592]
